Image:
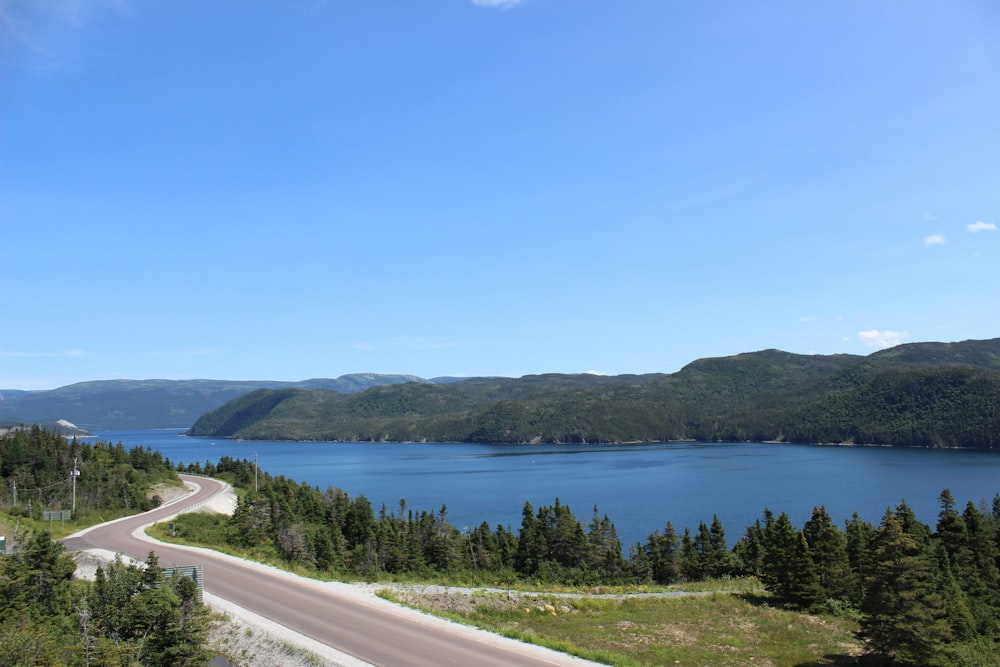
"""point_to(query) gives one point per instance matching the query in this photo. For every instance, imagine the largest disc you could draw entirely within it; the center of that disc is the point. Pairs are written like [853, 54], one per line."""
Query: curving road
[369, 629]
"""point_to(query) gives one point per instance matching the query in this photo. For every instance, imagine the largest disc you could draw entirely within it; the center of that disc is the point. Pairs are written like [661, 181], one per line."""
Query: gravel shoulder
[249, 640]
[243, 638]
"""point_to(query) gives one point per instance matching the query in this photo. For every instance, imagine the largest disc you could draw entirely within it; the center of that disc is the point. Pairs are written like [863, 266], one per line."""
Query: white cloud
[882, 339]
[980, 226]
[594, 373]
[809, 318]
[935, 239]
[497, 4]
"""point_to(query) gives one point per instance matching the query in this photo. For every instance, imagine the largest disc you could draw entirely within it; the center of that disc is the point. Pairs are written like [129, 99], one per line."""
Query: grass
[731, 626]
[721, 629]
[11, 523]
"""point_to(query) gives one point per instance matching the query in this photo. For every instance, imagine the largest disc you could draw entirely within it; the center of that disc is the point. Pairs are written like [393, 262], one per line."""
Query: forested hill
[137, 404]
[921, 395]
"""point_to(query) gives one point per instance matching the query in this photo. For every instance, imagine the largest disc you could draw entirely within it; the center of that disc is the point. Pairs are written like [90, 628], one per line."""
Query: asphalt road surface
[372, 630]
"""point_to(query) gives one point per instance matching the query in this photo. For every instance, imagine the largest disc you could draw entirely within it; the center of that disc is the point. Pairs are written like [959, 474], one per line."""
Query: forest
[922, 595]
[36, 466]
[130, 615]
[918, 395]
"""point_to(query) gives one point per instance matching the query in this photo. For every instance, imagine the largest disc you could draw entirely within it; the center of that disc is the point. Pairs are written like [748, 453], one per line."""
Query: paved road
[372, 630]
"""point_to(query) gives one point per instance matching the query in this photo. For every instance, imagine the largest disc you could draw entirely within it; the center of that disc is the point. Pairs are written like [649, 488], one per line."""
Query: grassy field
[719, 629]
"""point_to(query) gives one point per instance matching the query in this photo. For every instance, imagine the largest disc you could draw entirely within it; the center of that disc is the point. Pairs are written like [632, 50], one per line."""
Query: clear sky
[307, 188]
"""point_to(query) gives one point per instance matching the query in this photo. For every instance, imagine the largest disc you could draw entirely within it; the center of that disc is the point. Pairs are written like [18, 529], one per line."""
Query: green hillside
[139, 404]
[922, 394]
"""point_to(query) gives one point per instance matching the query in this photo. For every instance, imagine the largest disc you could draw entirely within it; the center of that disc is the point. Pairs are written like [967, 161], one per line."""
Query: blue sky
[287, 190]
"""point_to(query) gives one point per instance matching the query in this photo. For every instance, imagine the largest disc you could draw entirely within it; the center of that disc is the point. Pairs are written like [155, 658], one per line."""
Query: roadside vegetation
[905, 592]
[36, 481]
[720, 629]
[130, 615]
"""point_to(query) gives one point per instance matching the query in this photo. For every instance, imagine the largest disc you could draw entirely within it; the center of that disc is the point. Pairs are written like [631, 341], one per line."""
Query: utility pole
[255, 455]
[13, 488]
[75, 474]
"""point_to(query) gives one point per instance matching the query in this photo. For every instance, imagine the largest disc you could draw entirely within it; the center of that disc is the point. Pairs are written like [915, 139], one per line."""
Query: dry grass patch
[720, 630]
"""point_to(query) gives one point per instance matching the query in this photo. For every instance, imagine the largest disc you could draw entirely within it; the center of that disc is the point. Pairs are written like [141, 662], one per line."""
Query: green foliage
[919, 595]
[130, 615]
[35, 464]
[926, 394]
[906, 617]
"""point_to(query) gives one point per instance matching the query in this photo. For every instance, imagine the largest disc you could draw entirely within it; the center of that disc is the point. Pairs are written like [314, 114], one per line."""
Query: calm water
[640, 487]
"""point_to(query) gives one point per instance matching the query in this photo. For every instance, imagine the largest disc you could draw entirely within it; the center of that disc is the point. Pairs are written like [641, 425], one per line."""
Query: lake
[640, 487]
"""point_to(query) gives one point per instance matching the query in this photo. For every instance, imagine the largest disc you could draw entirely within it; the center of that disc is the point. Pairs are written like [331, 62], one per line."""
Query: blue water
[640, 487]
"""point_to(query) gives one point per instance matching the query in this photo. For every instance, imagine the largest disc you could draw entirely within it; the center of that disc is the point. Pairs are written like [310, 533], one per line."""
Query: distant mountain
[921, 394]
[138, 404]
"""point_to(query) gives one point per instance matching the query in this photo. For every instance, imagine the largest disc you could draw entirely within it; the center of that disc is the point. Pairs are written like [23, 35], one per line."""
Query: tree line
[923, 398]
[36, 467]
[923, 595]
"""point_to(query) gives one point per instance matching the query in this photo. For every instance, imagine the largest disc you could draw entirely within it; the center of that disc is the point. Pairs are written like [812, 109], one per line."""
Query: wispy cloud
[882, 339]
[79, 12]
[23, 23]
[808, 318]
[935, 239]
[364, 346]
[498, 4]
[58, 354]
[980, 226]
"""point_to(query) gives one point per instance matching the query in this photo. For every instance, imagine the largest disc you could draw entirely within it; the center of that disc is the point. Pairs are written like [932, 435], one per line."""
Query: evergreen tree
[690, 561]
[604, 548]
[804, 589]
[719, 561]
[531, 543]
[35, 579]
[905, 618]
[662, 553]
[780, 542]
[828, 552]
[952, 532]
[980, 578]
[749, 550]
[859, 536]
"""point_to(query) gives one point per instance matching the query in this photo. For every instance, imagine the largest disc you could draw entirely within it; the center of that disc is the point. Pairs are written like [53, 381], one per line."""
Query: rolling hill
[920, 394]
[139, 404]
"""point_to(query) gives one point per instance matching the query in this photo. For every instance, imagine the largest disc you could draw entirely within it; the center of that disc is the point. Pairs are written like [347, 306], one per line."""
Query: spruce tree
[980, 579]
[828, 551]
[780, 542]
[906, 619]
[719, 559]
[859, 535]
[663, 553]
[749, 550]
[690, 561]
[804, 589]
[531, 546]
